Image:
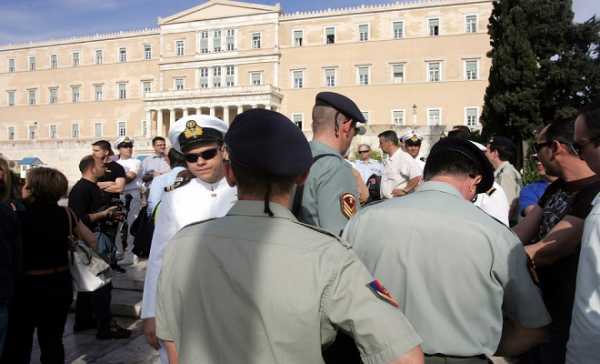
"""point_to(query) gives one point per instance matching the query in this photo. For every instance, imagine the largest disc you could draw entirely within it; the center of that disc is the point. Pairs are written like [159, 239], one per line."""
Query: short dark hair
[591, 117]
[390, 136]
[562, 130]
[47, 185]
[449, 163]
[504, 146]
[86, 163]
[249, 181]
[102, 144]
[461, 132]
[157, 139]
[176, 159]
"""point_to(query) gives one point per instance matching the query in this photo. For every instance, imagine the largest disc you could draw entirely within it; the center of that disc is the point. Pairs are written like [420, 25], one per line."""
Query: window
[98, 92]
[398, 27]
[54, 61]
[98, 130]
[434, 26]
[204, 77]
[217, 41]
[256, 78]
[75, 59]
[11, 65]
[298, 38]
[255, 40]
[398, 73]
[32, 63]
[204, 42]
[472, 69]
[216, 76]
[434, 71]
[121, 128]
[98, 56]
[297, 118]
[472, 116]
[230, 76]
[53, 98]
[363, 75]
[31, 96]
[31, 132]
[75, 130]
[434, 117]
[363, 32]
[179, 48]
[147, 51]
[122, 55]
[330, 77]
[144, 127]
[179, 84]
[471, 24]
[230, 39]
[75, 93]
[11, 133]
[146, 86]
[11, 98]
[52, 131]
[298, 79]
[122, 86]
[330, 35]
[398, 117]
[366, 115]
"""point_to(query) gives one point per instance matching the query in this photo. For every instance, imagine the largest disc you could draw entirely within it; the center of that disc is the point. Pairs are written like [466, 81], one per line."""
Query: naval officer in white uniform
[199, 193]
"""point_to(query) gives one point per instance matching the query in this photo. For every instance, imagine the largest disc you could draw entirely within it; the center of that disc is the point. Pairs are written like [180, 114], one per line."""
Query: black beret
[269, 143]
[342, 104]
[471, 152]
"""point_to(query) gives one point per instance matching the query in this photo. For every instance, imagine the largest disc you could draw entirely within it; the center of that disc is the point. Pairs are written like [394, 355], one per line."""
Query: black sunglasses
[536, 147]
[578, 148]
[364, 151]
[206, 155]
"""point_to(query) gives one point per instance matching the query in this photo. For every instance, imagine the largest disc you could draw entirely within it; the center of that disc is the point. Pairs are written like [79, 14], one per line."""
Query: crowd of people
[264, 247]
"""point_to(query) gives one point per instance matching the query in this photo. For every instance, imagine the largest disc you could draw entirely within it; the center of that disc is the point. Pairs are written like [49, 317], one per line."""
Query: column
[240, 109]
[171, 119]
[226, 114]
[149, 122]
[268, 107]
[212, 111]
[254, 106]
[159, 122]
[185, 112]
[199, 111]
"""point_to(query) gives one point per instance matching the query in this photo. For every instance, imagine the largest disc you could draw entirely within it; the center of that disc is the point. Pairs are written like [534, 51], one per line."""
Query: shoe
[113, 332]
[82, 326]
[117, 268]
[129, 259]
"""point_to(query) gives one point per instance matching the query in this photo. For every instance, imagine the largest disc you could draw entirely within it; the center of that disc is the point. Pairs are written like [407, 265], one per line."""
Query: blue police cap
[342, 104]
[269, 143]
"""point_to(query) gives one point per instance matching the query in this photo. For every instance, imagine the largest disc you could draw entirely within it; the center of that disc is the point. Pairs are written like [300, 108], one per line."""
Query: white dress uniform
[157, 188]
[494, 203]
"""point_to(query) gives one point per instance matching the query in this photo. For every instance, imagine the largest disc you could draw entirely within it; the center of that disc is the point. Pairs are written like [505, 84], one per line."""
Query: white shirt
[584, 338]
[368, 168]
[196, 201]
[495, 205]
[132, 165]
[157, 188]
[155, 163]
[397, 171]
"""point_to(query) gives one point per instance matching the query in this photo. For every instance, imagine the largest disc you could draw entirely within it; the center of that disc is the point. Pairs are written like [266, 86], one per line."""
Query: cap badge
[414, 138]
[382, 293]
[192, 130]
[348, 204]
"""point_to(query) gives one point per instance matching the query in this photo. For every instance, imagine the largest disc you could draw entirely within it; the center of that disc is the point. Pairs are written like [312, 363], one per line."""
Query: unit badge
[192, 130]
[382, 293]
[348, 204]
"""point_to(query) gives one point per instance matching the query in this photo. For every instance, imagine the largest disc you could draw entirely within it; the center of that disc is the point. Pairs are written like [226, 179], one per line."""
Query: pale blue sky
[25, 20]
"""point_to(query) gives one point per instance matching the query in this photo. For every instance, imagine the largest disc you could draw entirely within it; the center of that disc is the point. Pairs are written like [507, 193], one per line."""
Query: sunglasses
[536, 147]
[578, 148]
[205, 155]
[125, 146]
[363, 151]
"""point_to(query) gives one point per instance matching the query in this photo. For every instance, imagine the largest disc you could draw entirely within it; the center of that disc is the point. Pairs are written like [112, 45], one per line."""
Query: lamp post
[414, 108]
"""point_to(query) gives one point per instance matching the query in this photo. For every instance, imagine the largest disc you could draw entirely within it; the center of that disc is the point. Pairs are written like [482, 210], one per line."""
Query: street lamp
[414, 108]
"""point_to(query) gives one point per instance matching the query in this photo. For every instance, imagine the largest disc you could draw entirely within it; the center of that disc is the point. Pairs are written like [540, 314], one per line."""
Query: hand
[104, 185]
[108, 213]
[150, 332]
[399, 192]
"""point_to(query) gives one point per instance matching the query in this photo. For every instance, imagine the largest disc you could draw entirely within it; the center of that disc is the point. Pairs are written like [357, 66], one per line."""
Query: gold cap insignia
[348, 204]
[414, 138]
[192, 130]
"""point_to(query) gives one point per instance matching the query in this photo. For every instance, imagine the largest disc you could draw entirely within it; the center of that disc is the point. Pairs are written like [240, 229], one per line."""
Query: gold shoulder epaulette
[179, 181]
[491, 191]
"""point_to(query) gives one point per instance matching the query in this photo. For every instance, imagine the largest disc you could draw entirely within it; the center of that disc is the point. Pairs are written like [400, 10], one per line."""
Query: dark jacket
[10, 262]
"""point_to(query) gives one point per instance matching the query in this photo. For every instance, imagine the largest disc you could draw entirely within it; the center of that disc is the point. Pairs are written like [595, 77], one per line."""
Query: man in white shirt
[365, 165]
[494, 201]
[401, 174]
[133, 169]
[157, 164]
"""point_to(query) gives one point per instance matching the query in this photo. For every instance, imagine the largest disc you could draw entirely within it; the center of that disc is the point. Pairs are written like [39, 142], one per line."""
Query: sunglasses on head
[206, 155]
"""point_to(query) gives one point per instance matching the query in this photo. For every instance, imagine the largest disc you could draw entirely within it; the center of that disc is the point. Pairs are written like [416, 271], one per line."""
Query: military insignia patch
[192, 130]
[382, 293]
[348, 204]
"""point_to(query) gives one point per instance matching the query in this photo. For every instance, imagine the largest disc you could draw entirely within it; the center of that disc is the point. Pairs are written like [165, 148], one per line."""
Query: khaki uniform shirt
[455, 270]
[248, 288]
[327, 191]
[510, 179]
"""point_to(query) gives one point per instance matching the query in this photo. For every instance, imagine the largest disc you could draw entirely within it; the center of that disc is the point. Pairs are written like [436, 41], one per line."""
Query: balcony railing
[212, 92]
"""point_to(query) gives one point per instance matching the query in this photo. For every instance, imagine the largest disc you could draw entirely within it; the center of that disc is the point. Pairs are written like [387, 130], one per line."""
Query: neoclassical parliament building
[418, 64]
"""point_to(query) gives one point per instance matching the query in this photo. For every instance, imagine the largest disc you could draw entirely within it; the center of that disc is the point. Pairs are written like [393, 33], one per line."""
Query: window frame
[207, 77]
[439, 26]
[53, 99]
[476, 23]
[11, 132]
[98, 86]
[31, 61]
[11, 97]
[260, 78]
[177, 82]
[32, 101]
[143, 86]
[392, 73]
[393, 118]
[427, 69]
[293, 78]
[122, 55]
[477, 116]
[12, 65]
[53, 61]
[358, 79]
[360, 37]
[147, 52]
[301, 114]
[217, 46]
[119, 122]
[179, 48]
[400, 21]
[52, 135]
[75, 129]
[96, 124]
[293, 42]
[253, 44]
[325, 39]
[429, 109]
[228, 37]
[325, 78]
[466, 73]
[75, 100]
[121, 90]
[200, 40]
[76, 58]
[99, 57]
[32, 131]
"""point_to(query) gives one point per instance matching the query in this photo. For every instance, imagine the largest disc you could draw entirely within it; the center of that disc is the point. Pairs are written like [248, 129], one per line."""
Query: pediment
[216, 9]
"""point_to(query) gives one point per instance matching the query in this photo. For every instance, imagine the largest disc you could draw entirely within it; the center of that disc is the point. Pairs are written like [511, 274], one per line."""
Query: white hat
[411, 135]
[123, 139]
[480, 146]
[198, 129]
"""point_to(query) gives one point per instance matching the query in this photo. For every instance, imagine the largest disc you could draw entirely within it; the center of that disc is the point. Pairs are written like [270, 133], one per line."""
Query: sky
[31, 20]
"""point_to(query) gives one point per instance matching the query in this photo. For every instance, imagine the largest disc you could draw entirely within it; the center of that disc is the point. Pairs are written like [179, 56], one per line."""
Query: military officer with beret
[257, 286]
[461, 276]
[200, 192]
[330, 195]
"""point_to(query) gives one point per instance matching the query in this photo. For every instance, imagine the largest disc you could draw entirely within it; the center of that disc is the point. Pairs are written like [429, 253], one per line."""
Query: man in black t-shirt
[114, 179]
[552, 232]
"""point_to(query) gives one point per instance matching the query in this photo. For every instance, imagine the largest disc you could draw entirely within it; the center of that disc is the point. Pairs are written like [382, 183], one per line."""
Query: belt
[455, 358]
[45, 272]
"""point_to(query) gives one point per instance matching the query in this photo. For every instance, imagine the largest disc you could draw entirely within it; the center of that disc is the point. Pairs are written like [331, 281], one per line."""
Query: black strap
[297, 205]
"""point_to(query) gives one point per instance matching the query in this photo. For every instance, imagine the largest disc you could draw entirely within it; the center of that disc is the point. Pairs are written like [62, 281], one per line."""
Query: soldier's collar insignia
[192, 130]
[382, 293]
[348, 204]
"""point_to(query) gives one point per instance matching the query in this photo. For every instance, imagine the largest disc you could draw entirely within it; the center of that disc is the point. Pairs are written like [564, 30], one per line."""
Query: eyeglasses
[206, 155]
[125, 146]
[578, 147]
[364, 151]
[536, 147]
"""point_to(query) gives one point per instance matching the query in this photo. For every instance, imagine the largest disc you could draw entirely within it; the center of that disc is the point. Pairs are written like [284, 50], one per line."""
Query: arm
[85, 234]
[414, 356]
[130, 176]
[527, 229]
[562, 240]
[171, 349]
[410, 186]
[113, 187]
[363, 191]
[517, 339]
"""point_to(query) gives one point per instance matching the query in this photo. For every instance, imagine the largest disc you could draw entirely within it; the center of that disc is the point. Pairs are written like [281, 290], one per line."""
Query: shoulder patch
[382, 293]
[348, 204]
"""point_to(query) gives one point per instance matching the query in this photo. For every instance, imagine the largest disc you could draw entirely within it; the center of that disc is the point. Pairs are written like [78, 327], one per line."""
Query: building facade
[419, 64]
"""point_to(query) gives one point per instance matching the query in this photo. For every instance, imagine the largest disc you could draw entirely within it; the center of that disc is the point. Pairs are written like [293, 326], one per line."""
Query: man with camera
[86, 200]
